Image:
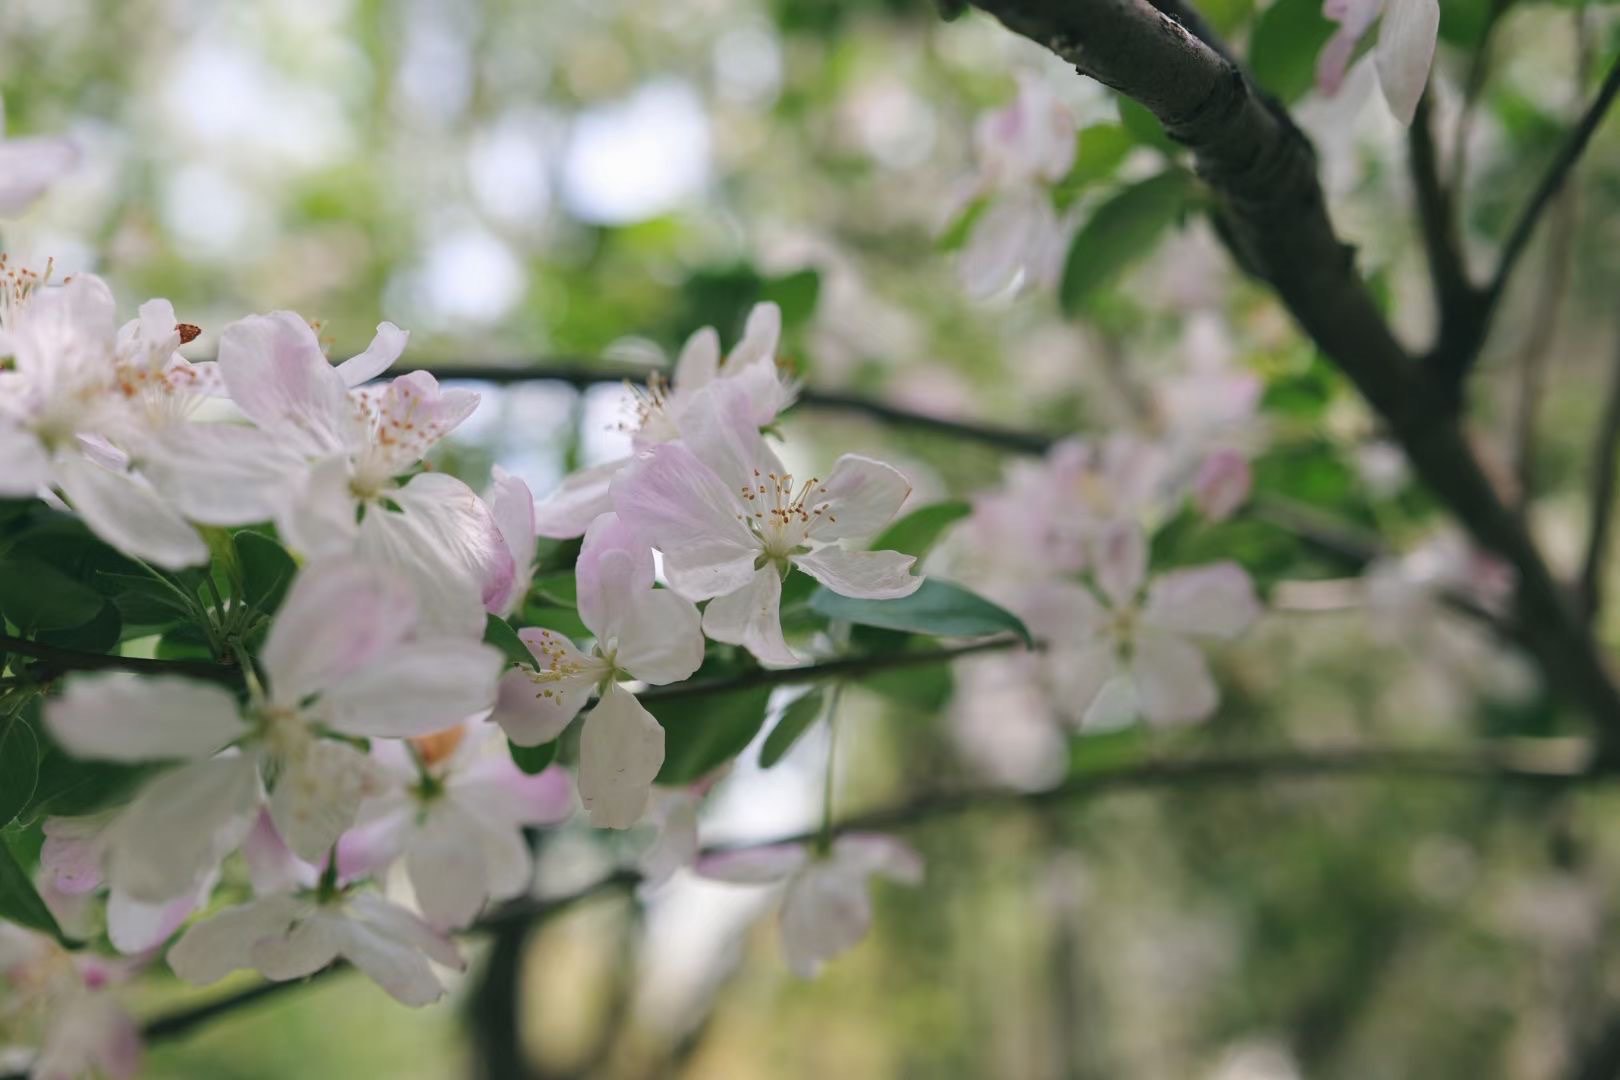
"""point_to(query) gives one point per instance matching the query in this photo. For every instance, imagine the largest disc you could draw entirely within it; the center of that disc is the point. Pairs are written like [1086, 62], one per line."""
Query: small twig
[1601, 503]
[61, 661]
[1454, 294]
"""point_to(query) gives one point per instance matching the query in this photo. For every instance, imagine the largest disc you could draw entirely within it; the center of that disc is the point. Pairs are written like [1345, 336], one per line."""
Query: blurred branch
[1506, 763]
[495, 1005]
[60, 661]
[1454, 295]
[1601, 503]
[1601, 1061]
[1456, 367]
[582, 374]
[1271, 213]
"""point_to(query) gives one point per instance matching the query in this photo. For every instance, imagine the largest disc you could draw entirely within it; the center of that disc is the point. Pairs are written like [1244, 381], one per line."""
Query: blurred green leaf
[499, 633]
[1101, 149]
[796, 720]
[957, 233]
[1283, 47]
[702, 733]
[1144, 127]
[938, 609]
[1121, 231]
[267, 570]
[36, 596]
[97, 634]
[19, 767]
[918, 532]
[558, 588]
[796, 294]
[18, 900]
[534, 759]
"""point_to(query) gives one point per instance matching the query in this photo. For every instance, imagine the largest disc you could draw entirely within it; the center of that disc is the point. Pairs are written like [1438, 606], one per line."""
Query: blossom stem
[825, 839]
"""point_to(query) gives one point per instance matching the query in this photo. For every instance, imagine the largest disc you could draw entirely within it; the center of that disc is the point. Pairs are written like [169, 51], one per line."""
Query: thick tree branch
[1272, 215]
[1505, 763]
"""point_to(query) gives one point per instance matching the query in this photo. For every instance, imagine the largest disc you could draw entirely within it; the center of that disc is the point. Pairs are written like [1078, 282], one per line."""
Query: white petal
[1119, 559]
[531, 712]
[753, 866]
[614, 564]
[718, 426]
[1079, 677]
[379, 356]
[339, 616]
[699, 360]
[621, 750]
[1214, 601]
[129, 514]
[317, 794]
[181, 825]
[512, 506]
[999, 243]
[272, 867]
[302, 949]
[1405, 51]
[680, 506]
[661, 638]
[222, 474]
[580, 499]
[752, 617]
[760, 336]
[1172, 680]
[316, 514]
[445, 861]
[136, 926]
[397, 924]
[825, 911]
[26, 468]
[217, 946]
[118, 716]
[275, 371]
[869, 575]
[416, 689]
[860, 497]
[394, 962]
[876, 853]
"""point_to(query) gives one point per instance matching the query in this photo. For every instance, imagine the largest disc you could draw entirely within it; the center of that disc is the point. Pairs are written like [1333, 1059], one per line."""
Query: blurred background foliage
[518, 183]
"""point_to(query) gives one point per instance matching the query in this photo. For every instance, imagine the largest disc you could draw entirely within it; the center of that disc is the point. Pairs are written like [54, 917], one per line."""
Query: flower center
[781, 515]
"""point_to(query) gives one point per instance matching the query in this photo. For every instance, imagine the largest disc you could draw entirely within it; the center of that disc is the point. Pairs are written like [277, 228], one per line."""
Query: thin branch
[1552, 182]
[1600, 505]
[1534, 352]
[1506, 763]
[582, 374]
[60, 661]
[1454, 295]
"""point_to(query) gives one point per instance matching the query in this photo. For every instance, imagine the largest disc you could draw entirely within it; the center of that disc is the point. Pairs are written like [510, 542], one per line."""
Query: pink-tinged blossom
[731, 521]
[1029, 140]
[1407, 32]
[1128, 647]
[641, 633]
[825, 906]
[291, 935]
[340, 658]
[1222, 485]
[29, 166]
[63, 409]
[512, 506]
[453, 808]
[323, 460]
[751, 369]
[67, 1003]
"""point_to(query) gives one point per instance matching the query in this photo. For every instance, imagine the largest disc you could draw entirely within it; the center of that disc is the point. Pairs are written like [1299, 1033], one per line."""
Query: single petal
[135, 926]
[660, 639]
[752, 617]
[409, 416]
[1222, 485]
[316, 514]
[416, 689]
[875, 853]
[718, 426]
[1063, 613]
[512, 506]
[27, 467]
[318, 792]
[394, 961]
[753, 865]
[1078, 677]
[1172, 680]
[1215, 601]
[621, 750]
[825, 911]
[445, 861]
[339, 616]
[695, 368]
[1354, 17]
[496, 790]
[305, 947]
[272, 866]
[118, 716]
[1405, 52]
[532, 712]
[70, 858]
[212, 949]
[129, 514]
[1116, 704]
[222, 474]
[869, 575]
[859, 497]
[614, 564]
[761, 335]
[580, 499]
[676, 844]
[180, 825]
[399, 925]
[274, 370]
[379, 356]
[999, 243]
[680, 506]
[1119, 559]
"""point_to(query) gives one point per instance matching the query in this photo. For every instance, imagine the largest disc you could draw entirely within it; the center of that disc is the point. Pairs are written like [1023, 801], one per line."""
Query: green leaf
[18, 900]
[499, 633]
[564, 620]
[701, 733]
[1121, 230]
[938, 609]
[1283, 47]
[143, 600]
[534, 759]
[796, 294]
[69, 786]
[957, 233]
[97, 635]
[796, 720]
[19, 767]
[37, 596]
[1102, 148]
[267, 570]
[560, 588]
[1145, 128]
[917, 532]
